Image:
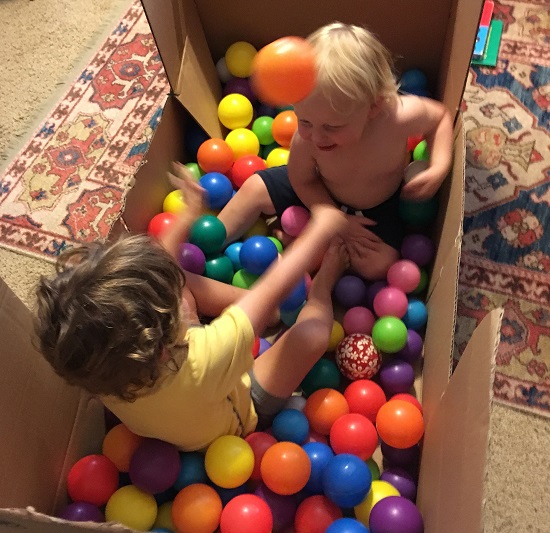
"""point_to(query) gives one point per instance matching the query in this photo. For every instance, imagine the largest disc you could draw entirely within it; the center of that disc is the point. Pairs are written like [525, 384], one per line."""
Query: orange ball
[283, 127]
[323, 408]
[400, 424]
[215, 155]
[119, 444]
[284, 71]
[285, 468]
[197, 508]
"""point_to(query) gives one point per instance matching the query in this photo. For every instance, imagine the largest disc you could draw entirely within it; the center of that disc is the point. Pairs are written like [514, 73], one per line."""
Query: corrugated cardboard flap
[454, 453]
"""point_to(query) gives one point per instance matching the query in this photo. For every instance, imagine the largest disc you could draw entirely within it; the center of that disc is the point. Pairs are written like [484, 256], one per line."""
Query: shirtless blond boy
[350, 150]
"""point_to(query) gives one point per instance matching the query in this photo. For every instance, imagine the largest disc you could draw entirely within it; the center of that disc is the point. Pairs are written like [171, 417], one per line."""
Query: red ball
[408, 398]
[365, 397]
[160, 223]
[260, 442]
[246, 513]
[244, 167]
[354, 433]
[315, 514]
[215, 155]
[357, 357]
[92, 479]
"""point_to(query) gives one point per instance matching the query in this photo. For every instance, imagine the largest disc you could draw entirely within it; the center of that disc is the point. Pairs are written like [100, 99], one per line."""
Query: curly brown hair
[104, 321]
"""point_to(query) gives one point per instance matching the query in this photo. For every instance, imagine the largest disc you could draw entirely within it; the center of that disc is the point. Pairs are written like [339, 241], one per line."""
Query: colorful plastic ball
[402, 480]
[296, 298]
[260, 442]
[323, 408]
[412, 141]
[92, 479]
[294, 219]
[215, 155]
[192, 470]
[239, 57]
[244, 279]
[412, 79]
[416, 316]
[247, 513]
[346, 525]
[155, 466]
[174, 202]
[412, 351]
[319, 455]
[191, 258]
[404, 457]
[378, 491]
[283, 508]
[160, 222]
[164, 521]
[400, 424]
[277, 243]
[346, 480]
[404, 274]
[284, 126]
[296, 401]
[396, 376]
[418, 248]
[324, 374]
[285, 468]
[284, 71]
[421, 152]
[244, 167]
[229, 461]
[233, 252]
[354, 433]
[243, 142]
[257, 254]
[277, 157]
[258, 228]
[235, 85]
[408, 398]
[374, 469]
[262, 128]
[358, 357]
[372, 290]
[132, 507]
[82, 512]
[336, 335]
[418, 213]
[268, 148]
[197, 508]
[358, 319]
[218, 189]
[389, 334]
[235, 111]
[350, 291]
[390, 301]
[315, 514]
[423, 283]
[365, 397]
[221, 68]
[396, 514]
[219, 268]
[288, 318]
[290, 425]
[119, 444]
[208, 233]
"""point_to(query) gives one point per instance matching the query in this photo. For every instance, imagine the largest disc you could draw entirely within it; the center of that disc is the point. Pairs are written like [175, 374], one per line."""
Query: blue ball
[347, 525]
[346, 480]
[413, 79]
[296, 298]
[416, 316]
[290, 425]
[233, 251]
[257, 253]
[192, 470]
[319, 455]
[288, 318]
[219, 189]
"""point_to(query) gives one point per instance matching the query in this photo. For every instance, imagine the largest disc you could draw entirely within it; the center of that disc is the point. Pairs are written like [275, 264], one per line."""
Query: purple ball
[82, 512]
[372, 290]
[418, 248]
[264, 345]
[191, 258]
[239, 86]
[412, 351]
[350, 291]
[402, 480]
[395, 376]
[283, 508]
[395, 514]
[155, 466]
[403, 457]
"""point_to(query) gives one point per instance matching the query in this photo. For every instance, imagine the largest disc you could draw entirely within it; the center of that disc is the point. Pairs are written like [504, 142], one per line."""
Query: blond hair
[111, 311]
[352, 65]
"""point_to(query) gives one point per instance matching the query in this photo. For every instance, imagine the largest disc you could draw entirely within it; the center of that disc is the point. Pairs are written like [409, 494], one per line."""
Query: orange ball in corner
[197, 508]
[284, 71]
[283, 127]
[119, 444]
[400, 424]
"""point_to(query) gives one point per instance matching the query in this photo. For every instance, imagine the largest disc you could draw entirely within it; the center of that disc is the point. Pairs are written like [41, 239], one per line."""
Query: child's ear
[377, 106]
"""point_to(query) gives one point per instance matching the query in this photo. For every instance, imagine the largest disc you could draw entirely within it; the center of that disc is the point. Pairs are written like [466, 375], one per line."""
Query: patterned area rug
[506, 245]
[69, 182]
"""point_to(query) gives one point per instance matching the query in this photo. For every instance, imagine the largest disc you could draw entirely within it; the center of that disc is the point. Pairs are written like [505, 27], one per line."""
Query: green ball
[389, 334]
[277, 243]
[219, 268]
[244, 279]
[208, 233]
[288, 318]
[288, 107]
[323, 375]
[262, 128]
[374, 469]
[420, 152]
[418, 213]
[266, 150]
[195, 170]
[423, 283]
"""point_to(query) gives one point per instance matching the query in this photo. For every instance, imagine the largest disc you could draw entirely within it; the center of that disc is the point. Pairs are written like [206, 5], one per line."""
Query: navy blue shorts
[389, 227]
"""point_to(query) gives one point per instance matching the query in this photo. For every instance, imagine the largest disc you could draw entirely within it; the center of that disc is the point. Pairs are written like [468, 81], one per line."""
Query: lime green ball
[277, 243]
[323, 375]
[374, 469]
[208, 233]
[219, 268]
[423, 283]
[420, 152]
[244, 279]
[418, 213]
[389, 334]
[195, 170]
[262, 128]
[267, 149]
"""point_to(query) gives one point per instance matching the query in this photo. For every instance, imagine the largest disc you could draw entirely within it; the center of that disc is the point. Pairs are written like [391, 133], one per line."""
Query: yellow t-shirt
[208, 397]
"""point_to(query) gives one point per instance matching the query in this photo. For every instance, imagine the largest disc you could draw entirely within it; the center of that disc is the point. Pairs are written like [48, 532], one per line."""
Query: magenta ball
[404, 274]
[396, 376]
[82, 512]
[294, 219]
[412, 351]
[358, 319]
[155, 466]
[350, 291]
[283, 508]
[418, 248]
[395, 514]
[402, 480]
[191, 258]
[390, 301]
[372, 290]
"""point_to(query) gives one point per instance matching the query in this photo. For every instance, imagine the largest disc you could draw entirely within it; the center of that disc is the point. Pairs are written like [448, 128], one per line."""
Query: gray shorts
[266, 405]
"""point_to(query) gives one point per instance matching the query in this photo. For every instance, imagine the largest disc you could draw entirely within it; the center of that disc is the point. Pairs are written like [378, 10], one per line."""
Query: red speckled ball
[357, 357]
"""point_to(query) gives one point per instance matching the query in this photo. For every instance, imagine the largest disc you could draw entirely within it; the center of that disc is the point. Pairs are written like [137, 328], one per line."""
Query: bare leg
[281, 369]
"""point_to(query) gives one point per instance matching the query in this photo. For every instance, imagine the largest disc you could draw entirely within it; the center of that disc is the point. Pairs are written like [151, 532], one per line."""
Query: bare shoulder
[419, 113]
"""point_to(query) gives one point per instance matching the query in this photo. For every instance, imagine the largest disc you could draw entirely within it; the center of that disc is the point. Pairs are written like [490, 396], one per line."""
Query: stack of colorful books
[488, 37]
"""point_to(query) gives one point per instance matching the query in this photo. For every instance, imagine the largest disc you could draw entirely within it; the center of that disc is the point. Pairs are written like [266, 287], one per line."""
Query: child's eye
[331, 127]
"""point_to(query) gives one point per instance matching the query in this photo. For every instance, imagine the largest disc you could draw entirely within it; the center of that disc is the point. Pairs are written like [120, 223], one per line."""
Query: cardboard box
[48, 425]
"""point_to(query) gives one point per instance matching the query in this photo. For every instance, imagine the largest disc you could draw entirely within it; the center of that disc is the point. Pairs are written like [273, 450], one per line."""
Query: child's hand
[193, 193]
[423, 186]
[328, 217]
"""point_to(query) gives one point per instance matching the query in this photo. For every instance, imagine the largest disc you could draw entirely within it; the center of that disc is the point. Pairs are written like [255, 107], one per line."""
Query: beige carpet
[43, 44]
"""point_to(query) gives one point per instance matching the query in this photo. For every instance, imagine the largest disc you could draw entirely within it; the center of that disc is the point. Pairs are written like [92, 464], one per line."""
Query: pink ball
[358, 319]
[357, 357]
[294, 220]
[390, 301]
[404, 274]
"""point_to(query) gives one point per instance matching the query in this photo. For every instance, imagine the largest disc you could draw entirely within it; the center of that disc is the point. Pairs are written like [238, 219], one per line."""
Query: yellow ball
[336, 335]
[239, 57]
[277, 157]
[174, 202]
[132, 507]
[164, 517]
[378, 491]
[235, 111]
[229, 461]
[243, 142]
[258, 228]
